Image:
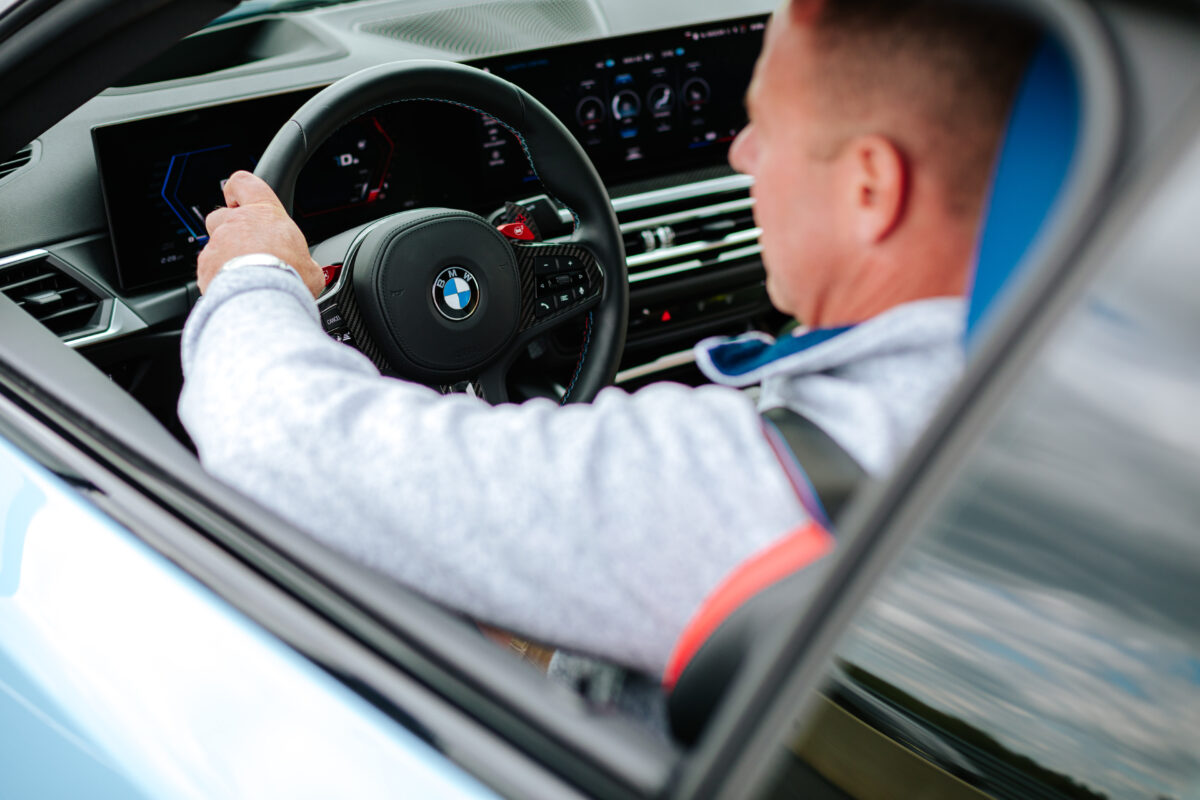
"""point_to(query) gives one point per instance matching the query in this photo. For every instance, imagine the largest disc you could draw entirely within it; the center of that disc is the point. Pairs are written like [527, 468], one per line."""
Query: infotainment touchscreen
[642, 107]
[647, 105]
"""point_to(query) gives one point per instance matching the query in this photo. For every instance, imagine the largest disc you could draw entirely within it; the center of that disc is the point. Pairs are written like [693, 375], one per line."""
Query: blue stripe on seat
[1032, 166]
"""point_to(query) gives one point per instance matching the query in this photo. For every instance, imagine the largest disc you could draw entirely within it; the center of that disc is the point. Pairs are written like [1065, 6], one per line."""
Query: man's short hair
[936, 77]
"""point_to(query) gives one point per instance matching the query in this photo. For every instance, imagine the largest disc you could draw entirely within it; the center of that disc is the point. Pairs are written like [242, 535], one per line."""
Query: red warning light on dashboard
[666, 316]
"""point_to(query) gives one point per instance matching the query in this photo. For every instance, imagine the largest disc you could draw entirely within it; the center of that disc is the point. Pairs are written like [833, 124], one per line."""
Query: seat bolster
[735, 615]
[710, 650]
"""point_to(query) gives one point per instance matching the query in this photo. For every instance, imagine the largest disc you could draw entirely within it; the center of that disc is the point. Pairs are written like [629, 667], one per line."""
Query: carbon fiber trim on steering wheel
[525, 265]
[362, 341]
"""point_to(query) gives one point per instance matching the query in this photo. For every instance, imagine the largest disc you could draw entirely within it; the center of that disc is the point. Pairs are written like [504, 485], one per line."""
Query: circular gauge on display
[696, 92]
[661, 99]
[626, 104]
[590, 111]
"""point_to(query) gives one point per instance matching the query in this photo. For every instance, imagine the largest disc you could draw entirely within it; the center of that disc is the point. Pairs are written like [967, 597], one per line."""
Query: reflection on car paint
[121, 676]
[19, 499]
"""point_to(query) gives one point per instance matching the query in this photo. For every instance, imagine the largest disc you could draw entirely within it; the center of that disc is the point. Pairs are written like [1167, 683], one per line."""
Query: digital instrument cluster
[642, 107]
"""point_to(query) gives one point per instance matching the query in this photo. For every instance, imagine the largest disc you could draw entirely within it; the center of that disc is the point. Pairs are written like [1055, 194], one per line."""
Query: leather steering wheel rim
[556, 157]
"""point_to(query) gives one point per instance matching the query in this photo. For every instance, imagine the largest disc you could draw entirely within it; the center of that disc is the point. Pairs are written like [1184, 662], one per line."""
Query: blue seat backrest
[1035, 158]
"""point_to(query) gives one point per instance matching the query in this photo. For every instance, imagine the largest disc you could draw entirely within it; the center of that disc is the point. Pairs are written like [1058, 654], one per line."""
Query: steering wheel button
[518, 231]
[563, 299]
[331, 272]
[331, 319]
[562, 280]
[543, 306]
[569, 263]
[545, 265]
[579, 292]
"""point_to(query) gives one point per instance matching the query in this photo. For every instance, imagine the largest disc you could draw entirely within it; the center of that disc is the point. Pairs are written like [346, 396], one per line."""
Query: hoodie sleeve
[596, 527]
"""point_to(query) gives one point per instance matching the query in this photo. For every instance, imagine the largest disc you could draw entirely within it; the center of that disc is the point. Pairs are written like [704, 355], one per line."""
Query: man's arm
[600, 528]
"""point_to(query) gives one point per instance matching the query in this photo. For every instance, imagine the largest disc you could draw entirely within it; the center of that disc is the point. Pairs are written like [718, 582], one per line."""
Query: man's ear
[876, 179]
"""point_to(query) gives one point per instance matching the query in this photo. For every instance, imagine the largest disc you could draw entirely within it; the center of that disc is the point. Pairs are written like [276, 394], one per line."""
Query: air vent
[495, 27]
[16, 161]
[55, 298]
[705, 233]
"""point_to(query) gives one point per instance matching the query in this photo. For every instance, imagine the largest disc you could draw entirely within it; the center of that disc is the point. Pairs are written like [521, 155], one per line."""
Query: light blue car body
[121, 676]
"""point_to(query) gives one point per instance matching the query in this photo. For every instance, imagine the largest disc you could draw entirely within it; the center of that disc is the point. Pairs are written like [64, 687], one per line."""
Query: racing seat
[1033, 164]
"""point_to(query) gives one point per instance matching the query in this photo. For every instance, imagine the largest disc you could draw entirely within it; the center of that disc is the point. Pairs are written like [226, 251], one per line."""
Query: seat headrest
[1033, 164]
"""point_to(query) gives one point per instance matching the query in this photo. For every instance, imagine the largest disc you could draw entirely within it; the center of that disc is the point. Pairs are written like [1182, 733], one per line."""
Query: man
[602, 528]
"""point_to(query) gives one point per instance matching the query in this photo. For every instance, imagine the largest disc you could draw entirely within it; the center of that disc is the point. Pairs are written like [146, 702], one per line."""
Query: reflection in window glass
[1041, 638]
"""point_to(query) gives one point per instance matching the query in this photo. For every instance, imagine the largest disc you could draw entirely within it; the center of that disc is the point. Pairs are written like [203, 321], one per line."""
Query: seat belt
[834, 475]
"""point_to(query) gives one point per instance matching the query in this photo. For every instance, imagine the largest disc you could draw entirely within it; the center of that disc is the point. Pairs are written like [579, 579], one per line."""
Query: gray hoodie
[599, 528]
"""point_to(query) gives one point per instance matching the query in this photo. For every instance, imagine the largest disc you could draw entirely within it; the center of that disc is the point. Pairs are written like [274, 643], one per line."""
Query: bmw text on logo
[455, 293]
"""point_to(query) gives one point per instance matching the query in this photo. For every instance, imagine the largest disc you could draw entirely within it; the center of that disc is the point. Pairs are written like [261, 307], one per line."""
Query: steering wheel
[438, 295]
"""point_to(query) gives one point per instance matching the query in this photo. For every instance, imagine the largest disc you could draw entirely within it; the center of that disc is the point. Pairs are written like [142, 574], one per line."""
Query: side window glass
[1041, 636]
[1020, 653]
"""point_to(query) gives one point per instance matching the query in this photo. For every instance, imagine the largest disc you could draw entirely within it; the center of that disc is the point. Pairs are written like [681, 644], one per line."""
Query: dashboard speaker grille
[56, 299]
[495, 27]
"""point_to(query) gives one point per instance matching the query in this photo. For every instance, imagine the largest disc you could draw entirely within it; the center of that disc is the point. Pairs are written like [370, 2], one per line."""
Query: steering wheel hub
[439, 292]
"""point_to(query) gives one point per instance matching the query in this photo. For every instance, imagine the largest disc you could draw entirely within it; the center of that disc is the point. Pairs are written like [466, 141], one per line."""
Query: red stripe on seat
[790, 554]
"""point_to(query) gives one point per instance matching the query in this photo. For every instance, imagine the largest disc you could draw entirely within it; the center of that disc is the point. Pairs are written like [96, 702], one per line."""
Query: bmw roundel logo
[456, 293]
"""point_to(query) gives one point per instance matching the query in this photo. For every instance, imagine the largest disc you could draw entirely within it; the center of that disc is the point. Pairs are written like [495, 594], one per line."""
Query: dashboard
[643, 107]
[112, 200]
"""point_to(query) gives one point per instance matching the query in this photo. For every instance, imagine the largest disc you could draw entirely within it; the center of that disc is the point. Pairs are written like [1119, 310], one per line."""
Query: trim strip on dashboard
[669, 361]
[703, 212]
[687, 266]
[121, 321]
[28, 255]
[729, 183]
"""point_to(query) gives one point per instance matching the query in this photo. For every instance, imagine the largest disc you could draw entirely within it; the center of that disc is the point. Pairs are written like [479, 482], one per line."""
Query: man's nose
[744, 150]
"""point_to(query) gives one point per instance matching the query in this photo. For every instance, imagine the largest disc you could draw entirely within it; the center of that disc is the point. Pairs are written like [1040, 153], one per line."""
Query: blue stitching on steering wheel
[587, 340]
[507, 127]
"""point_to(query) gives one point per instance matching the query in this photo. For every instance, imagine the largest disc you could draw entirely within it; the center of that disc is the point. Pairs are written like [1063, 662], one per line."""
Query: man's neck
[912, 268]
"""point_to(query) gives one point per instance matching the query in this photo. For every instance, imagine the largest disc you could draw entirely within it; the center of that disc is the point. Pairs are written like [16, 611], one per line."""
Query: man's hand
[254, 222]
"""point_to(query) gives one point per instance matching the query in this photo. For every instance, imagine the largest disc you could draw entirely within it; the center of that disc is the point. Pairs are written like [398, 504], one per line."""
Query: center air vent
[495, 27]
[55, 298]
[699, 234]
[17, 160]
